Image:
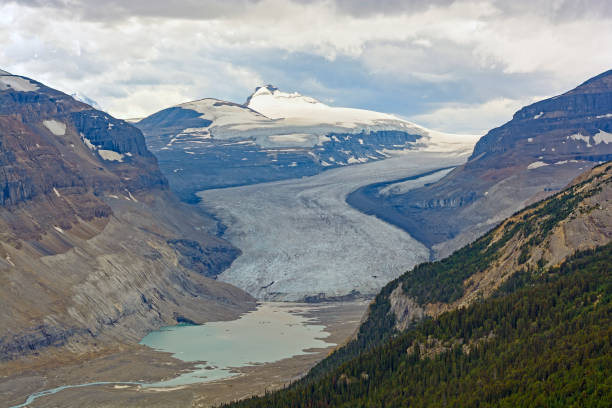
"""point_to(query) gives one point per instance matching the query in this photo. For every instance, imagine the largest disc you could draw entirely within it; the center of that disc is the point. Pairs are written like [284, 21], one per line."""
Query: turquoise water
[270, 333]
[273, 332]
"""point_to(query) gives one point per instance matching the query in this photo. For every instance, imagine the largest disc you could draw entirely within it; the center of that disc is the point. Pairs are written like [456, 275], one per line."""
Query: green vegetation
[442, 281]
[544, 340]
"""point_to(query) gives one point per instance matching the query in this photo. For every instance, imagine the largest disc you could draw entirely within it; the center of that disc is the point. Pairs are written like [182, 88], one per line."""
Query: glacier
[300, 240]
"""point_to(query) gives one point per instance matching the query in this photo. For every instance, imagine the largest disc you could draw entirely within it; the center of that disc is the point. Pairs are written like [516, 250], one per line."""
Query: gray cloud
[456, 65]
[115, 10]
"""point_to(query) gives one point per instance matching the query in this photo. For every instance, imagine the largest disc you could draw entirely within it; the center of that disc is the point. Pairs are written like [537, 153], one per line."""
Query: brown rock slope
[94, 249]
[536, 154]
[540, 236]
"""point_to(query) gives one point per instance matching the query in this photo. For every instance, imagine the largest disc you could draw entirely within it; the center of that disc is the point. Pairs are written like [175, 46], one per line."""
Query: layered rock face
[542, 235]
[88, 230]
[537, 153]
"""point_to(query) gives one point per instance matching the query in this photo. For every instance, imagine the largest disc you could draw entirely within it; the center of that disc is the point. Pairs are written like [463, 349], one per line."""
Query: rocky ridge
[536, 154]
[88, 253]
[541, 236]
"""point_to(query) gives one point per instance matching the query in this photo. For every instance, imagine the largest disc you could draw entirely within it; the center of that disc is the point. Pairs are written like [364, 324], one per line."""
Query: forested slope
[541, 340]
[521, 314]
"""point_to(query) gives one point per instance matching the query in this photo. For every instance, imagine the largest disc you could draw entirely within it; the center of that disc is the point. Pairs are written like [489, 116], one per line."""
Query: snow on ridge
[273, 118]
[3, 72]
[276, 104]
[85, 99]
[16, 83]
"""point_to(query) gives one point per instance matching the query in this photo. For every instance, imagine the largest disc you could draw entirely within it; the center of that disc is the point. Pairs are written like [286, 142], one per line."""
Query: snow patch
[530, 139]
[110, 155]
[536, 165]
[17, 84]
[88, 143]
[56, 192]
[602, 137]
[580, 136]
[55, 127]
[539, 115]
[607, 115]
[131, 196]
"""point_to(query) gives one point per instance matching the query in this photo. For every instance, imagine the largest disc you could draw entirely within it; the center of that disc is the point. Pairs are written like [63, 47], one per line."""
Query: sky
[455, 66]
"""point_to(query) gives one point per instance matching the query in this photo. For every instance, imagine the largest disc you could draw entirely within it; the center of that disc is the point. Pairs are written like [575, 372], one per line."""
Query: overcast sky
[457, 66]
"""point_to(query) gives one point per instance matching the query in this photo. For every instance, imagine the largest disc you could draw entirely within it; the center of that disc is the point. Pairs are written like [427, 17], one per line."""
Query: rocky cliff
[541, 236]
[89, 231]
[536, 154]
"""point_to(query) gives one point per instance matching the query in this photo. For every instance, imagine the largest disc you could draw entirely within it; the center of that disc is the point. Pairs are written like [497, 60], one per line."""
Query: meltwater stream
[272, 332]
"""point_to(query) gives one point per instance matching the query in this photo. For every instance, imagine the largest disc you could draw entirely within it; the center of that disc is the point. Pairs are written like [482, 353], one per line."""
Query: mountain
[275, 135]
[520, 317]
[95, 251]
[537, 153]
[85, 99]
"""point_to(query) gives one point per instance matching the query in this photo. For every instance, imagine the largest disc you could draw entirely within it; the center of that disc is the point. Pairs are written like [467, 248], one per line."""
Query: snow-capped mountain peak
[276, 104]
[276, 135]
[2, 72]
[85, 99]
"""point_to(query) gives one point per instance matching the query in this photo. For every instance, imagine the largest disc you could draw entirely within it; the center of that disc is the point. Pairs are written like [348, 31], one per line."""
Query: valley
[305, 204]
[301, 241]
[116, 377]
[266, 222]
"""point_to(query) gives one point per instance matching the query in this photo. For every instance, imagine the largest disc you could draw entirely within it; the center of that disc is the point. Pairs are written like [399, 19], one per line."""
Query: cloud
[413, 58]
[472, 119]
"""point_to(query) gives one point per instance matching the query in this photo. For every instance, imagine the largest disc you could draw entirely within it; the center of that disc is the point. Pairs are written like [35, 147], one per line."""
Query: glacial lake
[274, 331]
